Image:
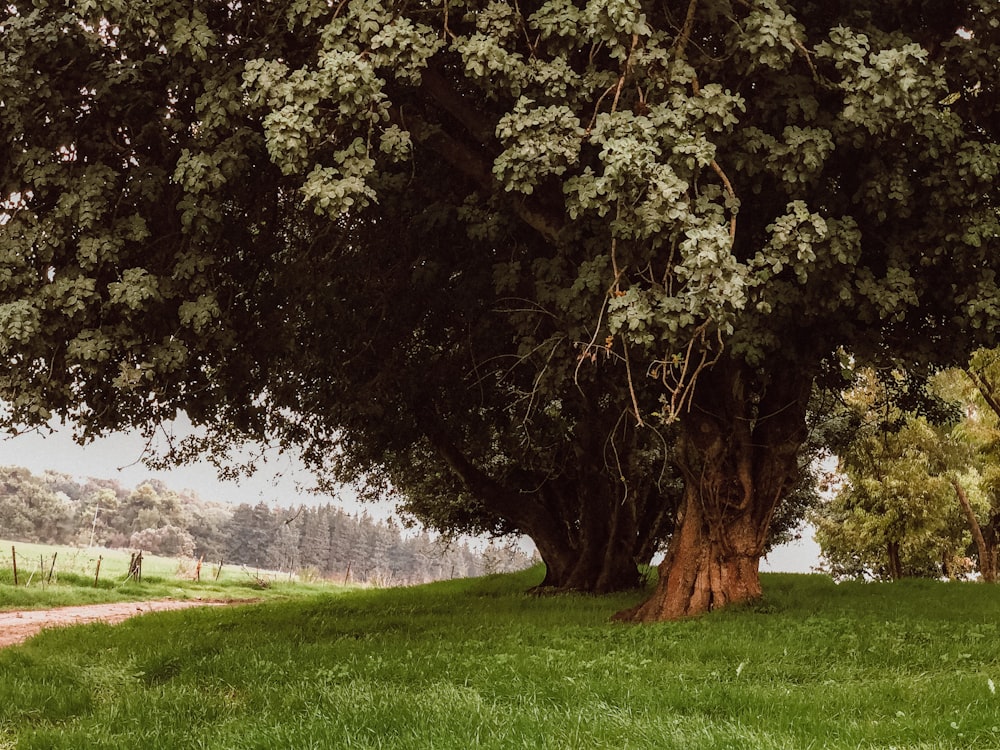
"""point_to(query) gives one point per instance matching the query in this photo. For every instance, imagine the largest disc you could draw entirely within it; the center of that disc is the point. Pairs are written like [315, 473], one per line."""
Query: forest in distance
[319, 541]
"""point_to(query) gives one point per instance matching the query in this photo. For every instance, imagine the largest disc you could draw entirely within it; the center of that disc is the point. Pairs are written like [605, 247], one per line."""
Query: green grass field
[75, 570]
[478, 663]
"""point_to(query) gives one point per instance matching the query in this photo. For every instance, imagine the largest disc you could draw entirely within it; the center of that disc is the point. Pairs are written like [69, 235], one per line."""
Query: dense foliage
[919, 477]
[584, 260]
[322, 541]
[896, 514]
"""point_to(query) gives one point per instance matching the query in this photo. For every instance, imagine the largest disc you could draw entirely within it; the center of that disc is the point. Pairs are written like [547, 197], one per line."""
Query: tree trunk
[704, 569]
[991, 536]
[593, 569]
[895, 565]
[590, 532]
[738, 453]
[600, 550]
[987, 553]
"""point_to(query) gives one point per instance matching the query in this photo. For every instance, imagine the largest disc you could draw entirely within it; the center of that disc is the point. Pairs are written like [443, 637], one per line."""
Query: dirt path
[19, 625]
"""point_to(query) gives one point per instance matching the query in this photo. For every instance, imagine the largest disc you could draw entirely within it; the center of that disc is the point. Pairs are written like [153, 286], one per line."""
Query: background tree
[206, 522]
[916, 498]
[40, 509]
[979, 431]
[249, 534]
[894, 516]
[285, 552]
[169, 541]
[313, 526]
[30, 510]
[98, 510]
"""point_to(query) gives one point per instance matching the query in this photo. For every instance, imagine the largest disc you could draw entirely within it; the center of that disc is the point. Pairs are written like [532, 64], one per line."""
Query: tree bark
[606, 539]
[738, 453]
[987, 553]
[703, 569]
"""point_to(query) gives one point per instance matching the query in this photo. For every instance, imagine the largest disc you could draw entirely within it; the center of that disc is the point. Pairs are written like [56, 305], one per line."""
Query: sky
[801, 556]
[282, 481]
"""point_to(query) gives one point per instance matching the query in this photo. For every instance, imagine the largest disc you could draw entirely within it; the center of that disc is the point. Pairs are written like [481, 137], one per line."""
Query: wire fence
[27, 569]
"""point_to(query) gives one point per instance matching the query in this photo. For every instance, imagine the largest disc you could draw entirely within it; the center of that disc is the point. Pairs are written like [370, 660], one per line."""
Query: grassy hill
[75, 571]
[477, 663]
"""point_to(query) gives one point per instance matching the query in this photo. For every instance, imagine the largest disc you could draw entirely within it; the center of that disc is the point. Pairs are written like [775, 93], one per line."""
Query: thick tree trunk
[600, 551]
[590, 533]
[593, 569]
[706, 567]
[738, 453]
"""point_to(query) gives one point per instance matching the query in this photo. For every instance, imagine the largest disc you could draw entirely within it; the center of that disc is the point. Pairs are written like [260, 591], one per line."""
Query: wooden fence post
[98, 573]
[135, 567]
[52, 567]
[13, 555]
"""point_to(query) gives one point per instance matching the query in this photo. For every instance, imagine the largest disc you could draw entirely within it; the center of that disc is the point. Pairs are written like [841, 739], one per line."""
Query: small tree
[980, 431]
[895, 515]
[164, 540]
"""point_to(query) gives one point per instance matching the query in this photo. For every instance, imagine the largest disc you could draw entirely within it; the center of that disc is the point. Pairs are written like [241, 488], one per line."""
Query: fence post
[135, 566]
[13, 556]
[52, 567]
[98, 573]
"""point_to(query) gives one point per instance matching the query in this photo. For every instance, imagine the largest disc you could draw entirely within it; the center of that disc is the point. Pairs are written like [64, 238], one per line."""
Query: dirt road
[17, 626]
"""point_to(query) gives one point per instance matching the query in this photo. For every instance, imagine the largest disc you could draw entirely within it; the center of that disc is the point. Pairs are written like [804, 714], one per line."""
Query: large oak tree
[685, 209]
[158, 261]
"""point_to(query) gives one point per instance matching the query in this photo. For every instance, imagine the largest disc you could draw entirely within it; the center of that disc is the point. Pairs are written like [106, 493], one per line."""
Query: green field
[73, 578]
[478, 663]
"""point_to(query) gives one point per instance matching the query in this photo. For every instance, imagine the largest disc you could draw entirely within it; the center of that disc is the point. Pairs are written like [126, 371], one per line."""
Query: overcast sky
[280, 482]
[798, 557]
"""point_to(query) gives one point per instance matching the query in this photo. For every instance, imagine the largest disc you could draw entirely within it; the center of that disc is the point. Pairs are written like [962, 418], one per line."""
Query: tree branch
[474, 165]
[525, 510]
[434, 85]
[985, 568]
[685, 34]
[985, 389]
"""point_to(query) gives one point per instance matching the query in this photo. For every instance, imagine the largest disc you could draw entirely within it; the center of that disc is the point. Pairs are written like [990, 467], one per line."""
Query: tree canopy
[629, 234]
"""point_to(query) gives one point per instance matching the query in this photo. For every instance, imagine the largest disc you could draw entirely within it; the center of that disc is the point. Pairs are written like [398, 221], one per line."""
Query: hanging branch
[681, 386]
[685, 34]
[631, 385]
[732, 194]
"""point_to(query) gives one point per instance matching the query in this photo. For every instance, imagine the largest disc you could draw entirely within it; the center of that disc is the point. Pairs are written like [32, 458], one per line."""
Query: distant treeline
[324, 541]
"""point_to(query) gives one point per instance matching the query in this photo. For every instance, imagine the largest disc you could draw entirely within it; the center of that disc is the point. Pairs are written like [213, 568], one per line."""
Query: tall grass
[470, 664]
[75, 572]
